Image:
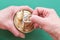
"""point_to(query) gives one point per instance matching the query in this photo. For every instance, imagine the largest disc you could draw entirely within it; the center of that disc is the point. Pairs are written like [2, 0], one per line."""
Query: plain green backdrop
[37, 34]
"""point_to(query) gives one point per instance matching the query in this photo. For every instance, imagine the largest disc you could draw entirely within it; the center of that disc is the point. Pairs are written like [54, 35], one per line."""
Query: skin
[44, 18]
[6, 19]
[48, 20]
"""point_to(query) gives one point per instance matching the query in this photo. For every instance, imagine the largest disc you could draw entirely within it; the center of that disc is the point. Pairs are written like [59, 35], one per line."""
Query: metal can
[22, 21]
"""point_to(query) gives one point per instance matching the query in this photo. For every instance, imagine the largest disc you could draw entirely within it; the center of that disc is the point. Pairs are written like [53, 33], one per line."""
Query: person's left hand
[6, 19]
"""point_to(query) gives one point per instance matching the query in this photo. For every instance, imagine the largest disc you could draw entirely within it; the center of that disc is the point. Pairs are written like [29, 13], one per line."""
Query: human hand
[6, 19]
[48, 20]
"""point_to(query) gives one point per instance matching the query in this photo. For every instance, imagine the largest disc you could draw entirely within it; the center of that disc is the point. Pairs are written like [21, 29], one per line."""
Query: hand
[6, 19]
[48, 20]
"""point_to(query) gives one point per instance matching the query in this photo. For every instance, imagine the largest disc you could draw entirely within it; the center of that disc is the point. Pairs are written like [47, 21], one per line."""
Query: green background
[37, 34]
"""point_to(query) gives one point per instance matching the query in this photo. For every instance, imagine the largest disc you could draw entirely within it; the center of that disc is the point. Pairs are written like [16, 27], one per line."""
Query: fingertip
[21, 35]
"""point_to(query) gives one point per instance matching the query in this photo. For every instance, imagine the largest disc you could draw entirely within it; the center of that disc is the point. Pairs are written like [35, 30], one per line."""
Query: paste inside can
[22, 21]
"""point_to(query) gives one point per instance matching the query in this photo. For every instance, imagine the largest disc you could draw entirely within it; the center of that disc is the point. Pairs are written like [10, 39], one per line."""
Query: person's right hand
[48, 20]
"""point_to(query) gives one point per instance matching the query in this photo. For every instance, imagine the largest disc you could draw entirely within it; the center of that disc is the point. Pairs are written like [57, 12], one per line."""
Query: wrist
[55, 33]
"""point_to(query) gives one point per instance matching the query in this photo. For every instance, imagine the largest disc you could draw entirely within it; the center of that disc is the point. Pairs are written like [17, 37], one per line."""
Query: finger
[43, 12]
[41, 9]
[18, 8]
[12, 29]
[16, 32]
[35, 12]
[23, 8]
[37, 19]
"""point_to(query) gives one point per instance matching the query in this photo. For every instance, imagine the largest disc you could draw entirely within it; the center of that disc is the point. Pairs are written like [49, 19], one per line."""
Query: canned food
[22, 21]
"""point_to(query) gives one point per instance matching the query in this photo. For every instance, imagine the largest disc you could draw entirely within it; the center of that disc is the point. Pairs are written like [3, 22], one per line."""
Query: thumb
[12, 29]
[37, 19]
